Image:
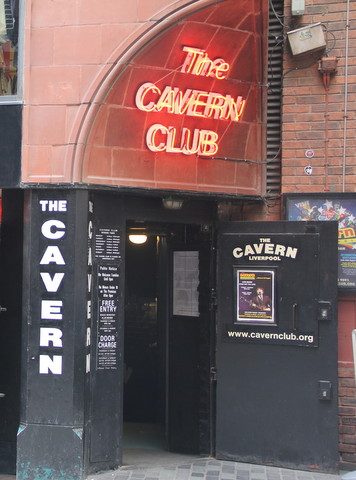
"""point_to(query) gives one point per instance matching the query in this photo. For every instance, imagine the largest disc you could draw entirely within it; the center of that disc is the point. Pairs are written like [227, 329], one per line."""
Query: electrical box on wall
[298, 7]
[307, 39]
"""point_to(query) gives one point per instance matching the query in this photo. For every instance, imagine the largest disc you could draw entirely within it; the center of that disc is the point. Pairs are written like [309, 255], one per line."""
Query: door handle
[295, 316]
[3, 309]
[2, 395]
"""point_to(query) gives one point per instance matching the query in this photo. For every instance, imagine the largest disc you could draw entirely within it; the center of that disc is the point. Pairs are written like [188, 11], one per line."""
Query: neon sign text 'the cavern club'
[191, 102]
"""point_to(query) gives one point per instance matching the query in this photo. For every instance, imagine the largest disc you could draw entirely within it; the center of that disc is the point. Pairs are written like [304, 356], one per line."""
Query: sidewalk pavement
[210, 469]
[205, 469]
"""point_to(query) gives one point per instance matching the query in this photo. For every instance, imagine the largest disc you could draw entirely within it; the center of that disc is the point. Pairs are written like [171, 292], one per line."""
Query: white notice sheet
[185, 283]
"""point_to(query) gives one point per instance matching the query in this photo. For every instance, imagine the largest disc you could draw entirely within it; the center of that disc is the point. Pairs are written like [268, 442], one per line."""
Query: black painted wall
[10, 321]
[10, 145]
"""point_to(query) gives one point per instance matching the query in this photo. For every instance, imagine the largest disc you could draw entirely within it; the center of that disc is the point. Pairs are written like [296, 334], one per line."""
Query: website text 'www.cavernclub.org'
[271, 336]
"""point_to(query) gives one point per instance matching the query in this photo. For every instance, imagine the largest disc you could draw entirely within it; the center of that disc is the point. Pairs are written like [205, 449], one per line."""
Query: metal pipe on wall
[347, 28]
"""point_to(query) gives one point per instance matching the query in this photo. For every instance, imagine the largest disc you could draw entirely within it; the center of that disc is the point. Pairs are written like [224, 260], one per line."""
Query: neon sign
[197, 62]
[191, 102]
[195, 103]
[201, 142]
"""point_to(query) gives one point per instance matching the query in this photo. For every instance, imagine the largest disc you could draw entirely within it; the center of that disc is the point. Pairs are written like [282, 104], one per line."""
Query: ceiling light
[138, 239]
[172, 203]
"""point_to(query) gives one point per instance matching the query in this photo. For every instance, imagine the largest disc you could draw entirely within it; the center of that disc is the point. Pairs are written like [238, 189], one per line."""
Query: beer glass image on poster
[255, 296]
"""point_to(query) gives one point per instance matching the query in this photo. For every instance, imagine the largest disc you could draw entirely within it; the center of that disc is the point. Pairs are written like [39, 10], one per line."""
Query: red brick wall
[347, 387]
[313, 118]
[347, 409]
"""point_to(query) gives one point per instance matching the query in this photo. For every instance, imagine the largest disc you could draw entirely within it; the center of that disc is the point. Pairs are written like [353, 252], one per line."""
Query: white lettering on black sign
[107, 244]
[51, 309]
[108, 290]
[89, 285]
[265, 250]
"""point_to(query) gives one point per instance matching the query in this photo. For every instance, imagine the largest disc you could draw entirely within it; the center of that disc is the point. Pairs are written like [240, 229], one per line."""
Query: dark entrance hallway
[167, 352]
[144, 365]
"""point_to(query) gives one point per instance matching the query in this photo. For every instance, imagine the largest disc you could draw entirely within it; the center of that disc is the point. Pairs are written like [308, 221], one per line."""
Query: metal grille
[9, 19]
[274, 79]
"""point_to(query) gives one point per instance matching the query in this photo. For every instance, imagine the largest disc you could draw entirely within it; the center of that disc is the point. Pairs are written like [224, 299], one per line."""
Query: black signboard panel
[264, 265]
[107, 325]
[269, 373]
[340, 207]
[106, 361]
[54, 261]
[54, 312]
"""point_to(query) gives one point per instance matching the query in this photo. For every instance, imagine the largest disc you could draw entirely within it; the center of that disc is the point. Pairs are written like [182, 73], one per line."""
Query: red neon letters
[194, 103]
[202, 142]
[197, 62]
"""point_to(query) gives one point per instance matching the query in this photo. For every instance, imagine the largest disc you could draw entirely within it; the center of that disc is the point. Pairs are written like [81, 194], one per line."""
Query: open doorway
[144, 370]
[168, 342]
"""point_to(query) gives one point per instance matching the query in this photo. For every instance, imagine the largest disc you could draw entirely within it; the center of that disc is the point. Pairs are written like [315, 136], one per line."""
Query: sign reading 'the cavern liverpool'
[272, 304]
[265, 249]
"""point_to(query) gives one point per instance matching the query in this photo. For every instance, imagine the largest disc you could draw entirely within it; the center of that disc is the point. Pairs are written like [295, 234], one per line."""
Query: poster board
[340, 207]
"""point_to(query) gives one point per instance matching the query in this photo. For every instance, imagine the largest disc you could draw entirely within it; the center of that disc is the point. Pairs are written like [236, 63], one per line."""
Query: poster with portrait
[255, 292]
[340, 208]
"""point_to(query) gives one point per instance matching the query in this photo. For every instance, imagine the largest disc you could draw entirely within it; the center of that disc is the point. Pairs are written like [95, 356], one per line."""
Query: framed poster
[255, 296]
[340, 207]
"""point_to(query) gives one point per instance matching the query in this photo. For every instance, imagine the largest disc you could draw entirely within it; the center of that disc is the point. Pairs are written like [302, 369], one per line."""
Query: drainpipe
[347, 29]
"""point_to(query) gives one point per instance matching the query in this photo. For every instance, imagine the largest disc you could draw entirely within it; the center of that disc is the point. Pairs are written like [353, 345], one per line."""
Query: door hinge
[213, 374]
[213, 299]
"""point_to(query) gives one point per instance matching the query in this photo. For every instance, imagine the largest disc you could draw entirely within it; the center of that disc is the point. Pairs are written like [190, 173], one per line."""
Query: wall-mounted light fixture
[307, 39]
[172, 203]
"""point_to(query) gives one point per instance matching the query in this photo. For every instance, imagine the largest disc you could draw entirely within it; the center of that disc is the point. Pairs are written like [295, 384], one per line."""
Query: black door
[277, 344]
[190, 340]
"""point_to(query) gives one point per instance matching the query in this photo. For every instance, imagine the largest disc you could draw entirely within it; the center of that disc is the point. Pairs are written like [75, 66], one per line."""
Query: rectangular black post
[103, 427]
[50, 438]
